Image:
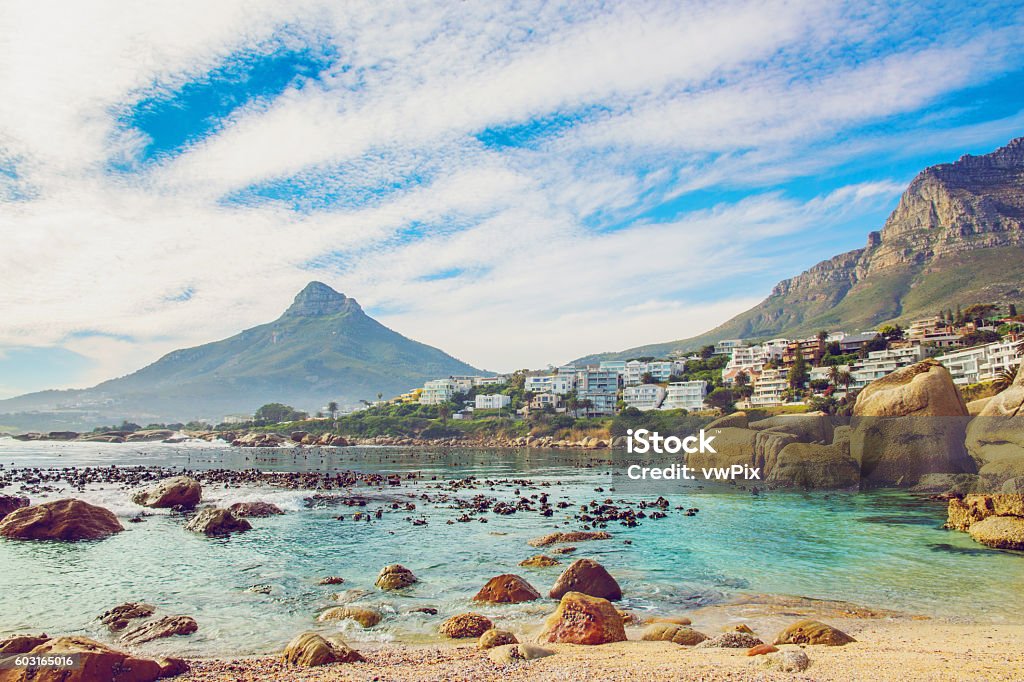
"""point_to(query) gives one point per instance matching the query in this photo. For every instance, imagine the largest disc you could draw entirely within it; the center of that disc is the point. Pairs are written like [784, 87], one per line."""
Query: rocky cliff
[955, 238]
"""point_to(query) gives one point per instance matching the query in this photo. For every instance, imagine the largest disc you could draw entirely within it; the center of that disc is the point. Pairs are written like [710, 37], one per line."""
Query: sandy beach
[885, 650]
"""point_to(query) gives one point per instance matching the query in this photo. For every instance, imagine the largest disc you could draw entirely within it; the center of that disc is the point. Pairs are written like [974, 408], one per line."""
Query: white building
[770, 388]
[981, 363]
[660, 370]
[613, 366]
[438, 391]
[543, 400]
[490, 381]
[559, 384]
[880, 363]
[601, 388]
[727, 346]
[685, 395]
[495, 401]
[644, 397]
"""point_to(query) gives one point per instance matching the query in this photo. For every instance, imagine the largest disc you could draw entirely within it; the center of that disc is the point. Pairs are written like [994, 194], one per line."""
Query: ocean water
[882, 549]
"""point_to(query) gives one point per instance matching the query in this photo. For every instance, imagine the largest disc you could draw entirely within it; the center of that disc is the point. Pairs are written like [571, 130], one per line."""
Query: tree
[647, 378]
[978, 312]
[833, 375]
[1004, 379]
[959, 319]
[822, 336]
[706, 352]
[845, 378]
[721, 398]
[443, 412]
[1012, 311]
[741, 379]
[798, 372]
[332, 407]
[274, 413]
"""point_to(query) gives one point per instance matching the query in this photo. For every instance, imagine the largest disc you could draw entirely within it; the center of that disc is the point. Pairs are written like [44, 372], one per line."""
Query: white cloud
[552, 251]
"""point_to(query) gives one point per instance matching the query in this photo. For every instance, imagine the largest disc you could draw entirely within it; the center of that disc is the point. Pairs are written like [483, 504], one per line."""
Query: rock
[254, 509]
[514, 653]
[814, 467]
[996, 473]
[117, 618]
[429, 610]
[761, 650]
[976, 407]
[466, 625]
[21, 644]
[573, 536]
[168, 626]
[813, 632]
[217, 523]
[563, 550]
[9, 503]
[788, 661]
[961, 514]
[309, 649]
[98, 663]
[742, 627]
[671, 620]
[395, 577]
[731, 640]
[1013, 486]
[62, 435]
[582, 619]
[1000, 532]
[588, 577]
[172, 667]
[732, 445]
[506, 589]
[366, 617]
[677, 634]
[808, 428]
[66, 520]
[493, 638]
[539, 561]
[331, 580]
[299, 436]
[180, 491]
[736, 420]
[948, 484]
[148, 435]
[908, 424]
[260, 588]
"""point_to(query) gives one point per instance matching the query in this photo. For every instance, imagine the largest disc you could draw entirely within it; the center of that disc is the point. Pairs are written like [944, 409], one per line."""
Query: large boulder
[66, 520]
[310, 649]
[588, 577]
[506, 589]
[1000, 532]
[217, 523]
[808, 428]
[9, 503]
[394, 577]
[732, 445]
[168, 626]
[736, 419]
[909, 424]
[996, 435]
[963, 513]
[466, 625]
[98, 663]
[20, 644]
[179, 491]
[582, 619]
[813, 632]
[811, 466]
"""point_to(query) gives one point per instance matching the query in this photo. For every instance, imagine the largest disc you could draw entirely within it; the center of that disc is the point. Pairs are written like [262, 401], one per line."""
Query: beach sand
[887, 648]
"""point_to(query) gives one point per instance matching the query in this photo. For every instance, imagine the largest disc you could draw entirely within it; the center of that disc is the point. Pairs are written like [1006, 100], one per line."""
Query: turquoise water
[879, 549]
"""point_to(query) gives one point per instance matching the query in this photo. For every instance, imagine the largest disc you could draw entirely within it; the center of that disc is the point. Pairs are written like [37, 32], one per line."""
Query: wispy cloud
[517, 183]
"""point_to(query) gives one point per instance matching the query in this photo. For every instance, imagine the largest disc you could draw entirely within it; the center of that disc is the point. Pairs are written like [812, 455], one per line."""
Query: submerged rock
[66, 520]
[813, 632]
[168, 626]
[366, 617]
[310, 649]
[588, 577]
[217, 523]
[573, 536]
[180, 491]
[539, 561]
[9, 503]
[395, 577]
[507, 589]
[118, 617]
[254, 509]
[466, 625]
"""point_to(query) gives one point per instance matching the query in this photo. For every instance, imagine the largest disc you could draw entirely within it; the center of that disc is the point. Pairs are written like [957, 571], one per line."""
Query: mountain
[323, 348]
[956, 238]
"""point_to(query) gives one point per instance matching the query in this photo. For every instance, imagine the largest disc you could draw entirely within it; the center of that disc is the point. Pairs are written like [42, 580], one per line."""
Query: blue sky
[517, 183]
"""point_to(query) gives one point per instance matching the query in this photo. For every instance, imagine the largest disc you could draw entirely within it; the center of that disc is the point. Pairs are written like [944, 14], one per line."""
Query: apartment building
[613, 366]
[601, 388]
[490, 381]
[981, 363]
[495, 401]
[770, 388]
[543, 400]
[727, 346]
[686, 395]
[438, 391]
[812, 349]
[559, 384]
[660, 370]
[644, 397]
[879, 363]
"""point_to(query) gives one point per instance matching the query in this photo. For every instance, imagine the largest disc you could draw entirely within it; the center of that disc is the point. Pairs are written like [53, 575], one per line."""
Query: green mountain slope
[956, 238]
[323, 348]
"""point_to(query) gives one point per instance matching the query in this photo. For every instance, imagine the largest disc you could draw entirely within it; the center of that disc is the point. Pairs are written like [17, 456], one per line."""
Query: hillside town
[980, 346]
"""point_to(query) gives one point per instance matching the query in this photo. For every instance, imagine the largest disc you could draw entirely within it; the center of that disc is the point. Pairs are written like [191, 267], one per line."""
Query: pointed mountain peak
[317, 299]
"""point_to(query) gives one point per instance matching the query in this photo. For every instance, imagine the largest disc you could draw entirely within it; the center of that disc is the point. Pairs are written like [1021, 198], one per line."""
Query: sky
[518, 183]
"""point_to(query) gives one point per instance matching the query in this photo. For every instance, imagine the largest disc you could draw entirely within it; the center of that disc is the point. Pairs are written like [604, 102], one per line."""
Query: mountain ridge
[959, 222]
[324, 347]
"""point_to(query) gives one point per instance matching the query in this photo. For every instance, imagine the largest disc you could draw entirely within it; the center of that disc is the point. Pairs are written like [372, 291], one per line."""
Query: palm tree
[1004, 379]
[444, 411]
[845, 378]
[332, 407]
[833, 375]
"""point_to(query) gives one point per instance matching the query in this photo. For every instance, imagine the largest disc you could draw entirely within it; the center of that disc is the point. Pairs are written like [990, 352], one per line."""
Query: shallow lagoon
[881, 549]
